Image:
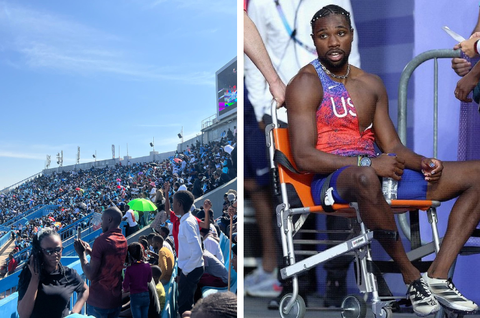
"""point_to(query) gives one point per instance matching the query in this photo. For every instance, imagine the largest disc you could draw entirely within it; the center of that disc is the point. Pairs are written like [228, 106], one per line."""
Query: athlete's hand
[432, 169]
[461, 66]
[389, 166]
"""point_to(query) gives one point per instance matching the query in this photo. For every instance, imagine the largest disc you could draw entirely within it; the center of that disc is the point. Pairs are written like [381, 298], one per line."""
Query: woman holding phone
[45, 285]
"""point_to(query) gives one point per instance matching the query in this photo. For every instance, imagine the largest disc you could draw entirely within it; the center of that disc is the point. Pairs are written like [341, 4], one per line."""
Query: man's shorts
[412, 186]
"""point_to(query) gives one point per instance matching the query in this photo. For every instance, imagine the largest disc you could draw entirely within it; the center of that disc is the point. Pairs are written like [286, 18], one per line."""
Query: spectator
[45, 285]
[157, 273]
[234, 257]
[105, 267]
[154, 309]
[190, 260]
[206, 207]
[215, 275]
[159, 198]
[211, 244]
[218, 305]
[137, 276]
[167, 240]
[197, 186]
[12, 264]
[80, 193]
[160, 218]
[176, 222]
[131, 220]
[165, 259]
[220, 177]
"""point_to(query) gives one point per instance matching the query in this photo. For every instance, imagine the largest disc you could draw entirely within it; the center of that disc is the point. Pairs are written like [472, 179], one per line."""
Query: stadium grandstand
[70, 199]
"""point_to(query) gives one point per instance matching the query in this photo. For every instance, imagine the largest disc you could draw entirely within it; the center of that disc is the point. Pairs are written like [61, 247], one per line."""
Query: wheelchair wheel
[386, 312]
[298, 309]
[354, 306]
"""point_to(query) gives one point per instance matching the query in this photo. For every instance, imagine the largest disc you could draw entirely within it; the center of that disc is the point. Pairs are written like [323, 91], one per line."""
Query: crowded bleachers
[74, 197]
[77, 193]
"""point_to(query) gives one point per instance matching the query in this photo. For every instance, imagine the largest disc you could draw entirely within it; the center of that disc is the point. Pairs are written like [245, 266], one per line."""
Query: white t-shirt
[213, 247]
[153, 193]
[130, 218]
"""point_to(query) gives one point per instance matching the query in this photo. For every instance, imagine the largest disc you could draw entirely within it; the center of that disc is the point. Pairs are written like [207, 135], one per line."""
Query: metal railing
[402, 106]
[24, 214]
[6, 189]
[209, 121]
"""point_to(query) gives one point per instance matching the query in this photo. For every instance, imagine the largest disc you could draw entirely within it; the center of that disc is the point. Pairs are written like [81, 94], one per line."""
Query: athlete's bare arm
[388, 141]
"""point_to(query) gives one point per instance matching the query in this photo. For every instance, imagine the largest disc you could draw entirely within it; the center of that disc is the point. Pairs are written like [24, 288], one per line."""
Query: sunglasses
[51, 251]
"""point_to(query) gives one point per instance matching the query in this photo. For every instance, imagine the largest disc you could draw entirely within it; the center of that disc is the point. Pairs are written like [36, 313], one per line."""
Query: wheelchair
[290, 218]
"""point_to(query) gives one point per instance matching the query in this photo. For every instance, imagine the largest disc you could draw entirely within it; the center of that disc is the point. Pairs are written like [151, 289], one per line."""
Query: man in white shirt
[211, 244]
[190, 254]
[153, 192]
[130, 218]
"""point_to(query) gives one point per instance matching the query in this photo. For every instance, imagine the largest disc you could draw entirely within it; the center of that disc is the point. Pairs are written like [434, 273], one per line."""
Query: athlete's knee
[366, 177]
[366, 182]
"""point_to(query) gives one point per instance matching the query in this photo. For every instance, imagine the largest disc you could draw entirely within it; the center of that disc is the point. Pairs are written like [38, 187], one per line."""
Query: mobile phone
[79, 233]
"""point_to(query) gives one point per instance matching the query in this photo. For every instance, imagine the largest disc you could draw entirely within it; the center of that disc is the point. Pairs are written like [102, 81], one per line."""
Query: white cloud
[156, 3]
[22, 155]
[199, 7]
[44, 40]
[159, 126]
[210, 6]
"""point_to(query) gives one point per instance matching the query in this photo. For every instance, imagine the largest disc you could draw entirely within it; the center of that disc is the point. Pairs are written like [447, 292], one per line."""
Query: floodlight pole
[153, 145]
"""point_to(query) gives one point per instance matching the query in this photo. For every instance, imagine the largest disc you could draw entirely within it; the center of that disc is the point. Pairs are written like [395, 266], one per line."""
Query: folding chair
[285, 172]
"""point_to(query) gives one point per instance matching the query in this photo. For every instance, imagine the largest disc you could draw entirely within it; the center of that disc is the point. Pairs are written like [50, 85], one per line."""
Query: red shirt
[12, 265]
[176, 225]
[110, 249]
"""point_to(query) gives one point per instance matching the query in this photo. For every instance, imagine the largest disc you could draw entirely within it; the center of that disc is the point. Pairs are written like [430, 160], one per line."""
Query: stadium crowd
[200, 169]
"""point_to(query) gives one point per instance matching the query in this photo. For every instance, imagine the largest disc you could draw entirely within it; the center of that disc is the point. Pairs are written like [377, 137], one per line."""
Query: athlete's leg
[362, 185]
[458, 179]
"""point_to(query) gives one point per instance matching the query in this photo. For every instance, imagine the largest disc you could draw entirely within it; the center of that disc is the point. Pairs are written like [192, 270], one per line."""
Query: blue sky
[96, 73]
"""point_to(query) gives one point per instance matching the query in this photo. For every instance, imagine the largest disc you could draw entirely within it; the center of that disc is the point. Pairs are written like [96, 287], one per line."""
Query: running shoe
[448, 295]
[423, 302]
[268, 288]
[258, 276]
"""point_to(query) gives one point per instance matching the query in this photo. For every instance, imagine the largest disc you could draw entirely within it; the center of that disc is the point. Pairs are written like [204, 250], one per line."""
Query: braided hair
[37, 251]
[329, 10]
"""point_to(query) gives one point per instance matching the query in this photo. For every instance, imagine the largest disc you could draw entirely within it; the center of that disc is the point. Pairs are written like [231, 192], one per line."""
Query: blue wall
[429, 19]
